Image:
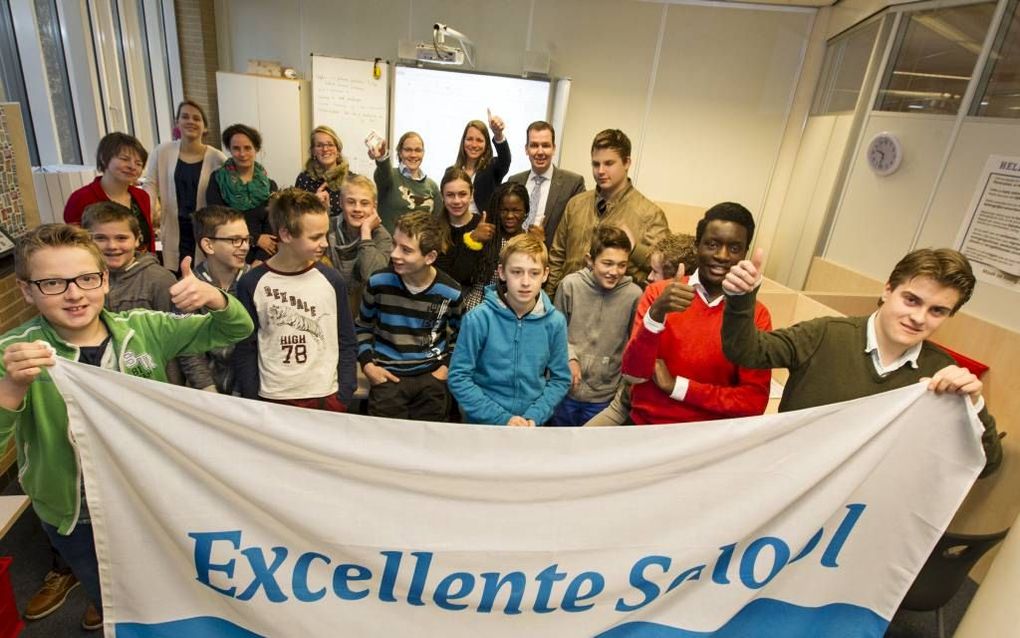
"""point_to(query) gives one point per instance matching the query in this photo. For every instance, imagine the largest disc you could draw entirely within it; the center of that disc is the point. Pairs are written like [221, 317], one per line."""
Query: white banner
[216, 516]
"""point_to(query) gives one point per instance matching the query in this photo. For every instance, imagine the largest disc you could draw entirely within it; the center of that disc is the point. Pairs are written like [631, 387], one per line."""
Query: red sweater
[691, 346]
[92, 193]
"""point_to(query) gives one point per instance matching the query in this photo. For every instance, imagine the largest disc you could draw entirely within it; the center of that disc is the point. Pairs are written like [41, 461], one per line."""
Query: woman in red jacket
[120, 158]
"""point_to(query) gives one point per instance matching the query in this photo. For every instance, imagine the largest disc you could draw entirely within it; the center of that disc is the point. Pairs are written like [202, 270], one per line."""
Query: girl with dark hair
[177, 180]
[120, 158]
[242, 184]
[475, 157]
[465, 235]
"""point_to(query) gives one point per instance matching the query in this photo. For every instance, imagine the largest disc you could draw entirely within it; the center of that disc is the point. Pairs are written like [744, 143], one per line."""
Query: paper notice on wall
[990, 234]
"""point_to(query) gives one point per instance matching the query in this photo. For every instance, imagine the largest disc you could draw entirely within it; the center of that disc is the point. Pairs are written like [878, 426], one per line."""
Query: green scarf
[237, 194]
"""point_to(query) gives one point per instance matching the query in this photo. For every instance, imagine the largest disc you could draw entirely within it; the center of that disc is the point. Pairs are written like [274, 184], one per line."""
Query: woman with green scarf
[242, 184]
[325, 169]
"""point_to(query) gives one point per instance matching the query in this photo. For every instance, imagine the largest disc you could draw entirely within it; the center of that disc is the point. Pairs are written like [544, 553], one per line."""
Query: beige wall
[879, 216]
[706, 120]
[979, 138]
[807, 197]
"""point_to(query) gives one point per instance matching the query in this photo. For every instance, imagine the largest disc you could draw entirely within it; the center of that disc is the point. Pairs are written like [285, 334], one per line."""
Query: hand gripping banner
[216, 516]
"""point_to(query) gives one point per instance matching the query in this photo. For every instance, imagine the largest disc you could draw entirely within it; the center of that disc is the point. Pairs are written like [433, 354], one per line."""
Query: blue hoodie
[500, 365]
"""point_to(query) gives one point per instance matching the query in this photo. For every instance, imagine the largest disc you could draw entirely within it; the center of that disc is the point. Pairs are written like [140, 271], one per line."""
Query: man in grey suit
[550, 187]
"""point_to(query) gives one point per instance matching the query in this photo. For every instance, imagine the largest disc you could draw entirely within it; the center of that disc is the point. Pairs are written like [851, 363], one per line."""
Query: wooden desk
[11, 509]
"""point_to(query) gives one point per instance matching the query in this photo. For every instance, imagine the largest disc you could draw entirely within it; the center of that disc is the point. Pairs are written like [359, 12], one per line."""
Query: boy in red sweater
[678, 347]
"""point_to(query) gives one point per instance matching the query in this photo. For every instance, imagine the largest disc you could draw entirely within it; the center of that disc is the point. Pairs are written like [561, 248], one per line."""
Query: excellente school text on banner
[216, 516]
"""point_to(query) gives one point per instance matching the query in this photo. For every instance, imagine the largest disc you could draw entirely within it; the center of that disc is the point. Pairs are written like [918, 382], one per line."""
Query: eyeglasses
[236, 242]
[325, 146]
[57, 285]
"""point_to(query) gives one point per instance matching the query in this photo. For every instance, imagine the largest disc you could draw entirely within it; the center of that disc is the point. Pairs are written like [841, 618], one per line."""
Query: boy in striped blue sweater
[408, 324]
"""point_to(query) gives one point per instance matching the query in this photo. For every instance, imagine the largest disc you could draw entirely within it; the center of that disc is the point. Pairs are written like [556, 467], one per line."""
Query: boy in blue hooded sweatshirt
[510, 364]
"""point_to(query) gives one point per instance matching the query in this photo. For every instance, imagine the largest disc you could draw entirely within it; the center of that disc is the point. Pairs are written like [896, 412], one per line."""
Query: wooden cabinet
[281, 111]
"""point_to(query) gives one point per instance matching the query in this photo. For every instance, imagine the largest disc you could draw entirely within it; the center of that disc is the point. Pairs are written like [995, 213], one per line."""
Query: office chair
[943, 573]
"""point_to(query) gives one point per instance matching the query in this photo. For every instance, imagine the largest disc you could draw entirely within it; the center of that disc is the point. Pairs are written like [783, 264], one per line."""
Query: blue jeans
[572, 413]
[78, 549]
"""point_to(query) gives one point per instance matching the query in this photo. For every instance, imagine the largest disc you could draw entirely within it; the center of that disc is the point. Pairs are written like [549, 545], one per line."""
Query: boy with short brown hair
[510, 366]
[303, 350]
[137, 280]
[613, 201]
[408, 324]
[221, 235]
[834, 359]
[598, 303]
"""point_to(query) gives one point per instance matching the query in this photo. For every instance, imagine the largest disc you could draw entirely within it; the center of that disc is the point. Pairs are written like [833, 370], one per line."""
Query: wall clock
[884, 154]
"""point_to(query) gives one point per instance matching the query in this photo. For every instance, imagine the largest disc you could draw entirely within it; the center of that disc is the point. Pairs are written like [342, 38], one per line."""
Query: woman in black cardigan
[476, 159]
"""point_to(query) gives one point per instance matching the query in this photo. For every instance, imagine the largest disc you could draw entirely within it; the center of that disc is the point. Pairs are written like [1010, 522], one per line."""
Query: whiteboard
[438, 103]
[347, 97]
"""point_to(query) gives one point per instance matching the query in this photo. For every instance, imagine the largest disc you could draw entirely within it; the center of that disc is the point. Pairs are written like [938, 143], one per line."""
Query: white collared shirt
[406, 172]
[910, 356]
[681, 384]
[695, 281]
[544, 189]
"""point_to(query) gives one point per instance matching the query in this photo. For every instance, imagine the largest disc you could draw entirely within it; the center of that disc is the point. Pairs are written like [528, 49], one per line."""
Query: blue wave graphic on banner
[762, 618]
[200, 627]
[767, 618]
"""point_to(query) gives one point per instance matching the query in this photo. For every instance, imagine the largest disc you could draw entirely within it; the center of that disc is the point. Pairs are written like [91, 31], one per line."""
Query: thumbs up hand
[746, 275]
[484, 231]
[676, 297]
[191, 293]
[323, 194]
[496, 124]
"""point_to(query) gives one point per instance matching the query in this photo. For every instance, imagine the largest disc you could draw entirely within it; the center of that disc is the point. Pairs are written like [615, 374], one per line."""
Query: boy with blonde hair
[358, 243]
[510, 366]
[303, 351]
[60, 270]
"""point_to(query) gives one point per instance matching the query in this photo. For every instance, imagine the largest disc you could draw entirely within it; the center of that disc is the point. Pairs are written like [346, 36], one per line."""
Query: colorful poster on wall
[990, 234]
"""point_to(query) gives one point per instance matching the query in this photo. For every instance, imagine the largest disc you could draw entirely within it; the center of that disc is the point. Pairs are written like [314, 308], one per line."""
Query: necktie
[536, 197]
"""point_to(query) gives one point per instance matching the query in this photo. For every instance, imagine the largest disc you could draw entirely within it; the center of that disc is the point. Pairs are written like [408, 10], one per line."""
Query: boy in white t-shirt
[303, 351]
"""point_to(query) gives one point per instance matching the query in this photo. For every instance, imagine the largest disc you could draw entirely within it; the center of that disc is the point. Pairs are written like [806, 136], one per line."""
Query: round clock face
[884, 154]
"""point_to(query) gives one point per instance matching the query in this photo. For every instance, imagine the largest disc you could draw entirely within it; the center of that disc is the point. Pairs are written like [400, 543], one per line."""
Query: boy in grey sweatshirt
[599, 304]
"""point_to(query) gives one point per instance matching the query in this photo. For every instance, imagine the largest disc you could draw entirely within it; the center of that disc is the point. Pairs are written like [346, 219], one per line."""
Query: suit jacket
[564, 186]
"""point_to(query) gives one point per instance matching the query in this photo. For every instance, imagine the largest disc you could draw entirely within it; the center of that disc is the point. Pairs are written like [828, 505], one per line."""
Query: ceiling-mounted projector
[438, 54]
[438, 51]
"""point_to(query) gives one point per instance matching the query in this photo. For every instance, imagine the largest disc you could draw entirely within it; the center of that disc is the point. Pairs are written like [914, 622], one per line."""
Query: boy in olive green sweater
[60, 271]
[834, 359]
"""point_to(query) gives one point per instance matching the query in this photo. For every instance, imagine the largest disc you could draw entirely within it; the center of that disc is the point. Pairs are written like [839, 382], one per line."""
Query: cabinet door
[238, 100]
[283, 147]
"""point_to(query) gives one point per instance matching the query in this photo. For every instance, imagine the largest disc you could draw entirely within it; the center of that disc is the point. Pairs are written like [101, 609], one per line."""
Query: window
[11, 76]
[81, 69]
[843, 70]
[57, 81]
[1000, 89]
[934, 57]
